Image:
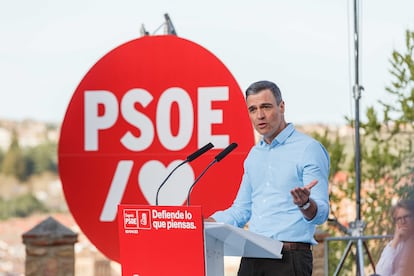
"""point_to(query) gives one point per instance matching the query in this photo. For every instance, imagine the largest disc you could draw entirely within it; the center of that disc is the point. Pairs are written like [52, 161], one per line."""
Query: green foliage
[23, 163]
[335, 149]
[14, 162]
[21, 206]
[43, 158]
[1, 158]
[386, 143]
[403, 86]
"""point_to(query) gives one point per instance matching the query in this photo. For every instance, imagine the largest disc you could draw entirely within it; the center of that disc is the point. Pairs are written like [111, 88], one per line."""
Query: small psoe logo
[135, 219]
[130, 219]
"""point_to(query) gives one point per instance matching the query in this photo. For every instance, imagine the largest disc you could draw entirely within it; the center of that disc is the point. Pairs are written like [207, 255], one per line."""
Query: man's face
[267, 117]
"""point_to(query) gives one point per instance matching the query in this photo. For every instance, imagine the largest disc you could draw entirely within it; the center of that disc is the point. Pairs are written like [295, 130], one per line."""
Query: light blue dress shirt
[271, 171]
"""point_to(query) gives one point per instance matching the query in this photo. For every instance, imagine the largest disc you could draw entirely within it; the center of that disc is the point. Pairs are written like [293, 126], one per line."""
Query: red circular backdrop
[139, 111]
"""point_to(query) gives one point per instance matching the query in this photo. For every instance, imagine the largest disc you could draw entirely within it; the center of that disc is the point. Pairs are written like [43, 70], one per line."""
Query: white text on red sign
[94, 122]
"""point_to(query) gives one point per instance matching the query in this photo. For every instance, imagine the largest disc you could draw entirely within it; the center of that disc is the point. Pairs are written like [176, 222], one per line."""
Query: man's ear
[282, 106]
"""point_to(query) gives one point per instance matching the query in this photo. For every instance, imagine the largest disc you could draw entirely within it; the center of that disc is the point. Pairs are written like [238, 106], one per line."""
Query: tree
[14, 162]
[43, 158]
[1, 157]
[387, 156]
[20, 206]
[402, 112]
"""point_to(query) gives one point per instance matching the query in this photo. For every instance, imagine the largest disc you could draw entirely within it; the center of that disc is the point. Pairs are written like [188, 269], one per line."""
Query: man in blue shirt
[275, 196]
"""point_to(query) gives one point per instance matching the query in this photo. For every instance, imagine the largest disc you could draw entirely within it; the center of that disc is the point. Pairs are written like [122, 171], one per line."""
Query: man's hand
[301, 194]
[209, 219]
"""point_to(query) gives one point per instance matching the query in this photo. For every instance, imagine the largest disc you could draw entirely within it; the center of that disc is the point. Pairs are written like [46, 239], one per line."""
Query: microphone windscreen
[199, 152]
[226, 151]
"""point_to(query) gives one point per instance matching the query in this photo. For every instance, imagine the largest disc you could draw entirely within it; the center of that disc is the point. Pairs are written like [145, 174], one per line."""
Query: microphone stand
[189, 158]
[197, 179]
[165, 180]
[218, 158]
[357, 227]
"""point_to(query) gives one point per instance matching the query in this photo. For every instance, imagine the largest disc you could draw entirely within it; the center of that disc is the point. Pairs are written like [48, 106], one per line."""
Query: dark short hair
[258, 86]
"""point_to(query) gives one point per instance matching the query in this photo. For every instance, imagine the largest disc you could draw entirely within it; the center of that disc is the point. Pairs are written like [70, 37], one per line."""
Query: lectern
[173, 240]
[226, 240]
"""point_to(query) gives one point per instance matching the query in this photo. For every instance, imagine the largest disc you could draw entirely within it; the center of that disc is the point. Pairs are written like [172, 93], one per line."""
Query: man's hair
[258, 86]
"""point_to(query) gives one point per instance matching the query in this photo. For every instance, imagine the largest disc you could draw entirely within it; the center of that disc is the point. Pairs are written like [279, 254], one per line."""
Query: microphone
[199, 152]
[218, 158]
[189, 158]
[226, 151]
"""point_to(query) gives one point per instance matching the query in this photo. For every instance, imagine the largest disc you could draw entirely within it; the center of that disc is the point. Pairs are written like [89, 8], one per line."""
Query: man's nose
[260, 114]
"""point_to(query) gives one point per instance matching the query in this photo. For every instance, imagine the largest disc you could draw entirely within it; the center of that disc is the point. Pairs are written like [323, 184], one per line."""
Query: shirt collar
[280, 138]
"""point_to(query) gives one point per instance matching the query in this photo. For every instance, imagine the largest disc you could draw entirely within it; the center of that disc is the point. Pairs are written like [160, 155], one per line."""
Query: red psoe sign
[139, 112]
[171, 234]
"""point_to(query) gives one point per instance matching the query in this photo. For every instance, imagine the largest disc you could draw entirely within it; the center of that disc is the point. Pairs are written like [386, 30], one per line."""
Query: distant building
[5, 139]
[30, 133]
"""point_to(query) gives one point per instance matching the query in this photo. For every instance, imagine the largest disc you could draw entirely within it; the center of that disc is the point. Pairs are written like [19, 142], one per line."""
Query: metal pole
[357, 96]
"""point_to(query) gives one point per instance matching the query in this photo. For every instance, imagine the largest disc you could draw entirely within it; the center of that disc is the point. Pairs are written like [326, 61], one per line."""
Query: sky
[305, 46]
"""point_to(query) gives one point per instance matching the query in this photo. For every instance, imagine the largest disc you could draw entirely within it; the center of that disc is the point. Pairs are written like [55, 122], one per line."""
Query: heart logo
[175, 190]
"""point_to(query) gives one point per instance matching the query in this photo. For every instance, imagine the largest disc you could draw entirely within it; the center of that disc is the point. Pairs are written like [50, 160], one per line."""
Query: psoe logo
[131, 219]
